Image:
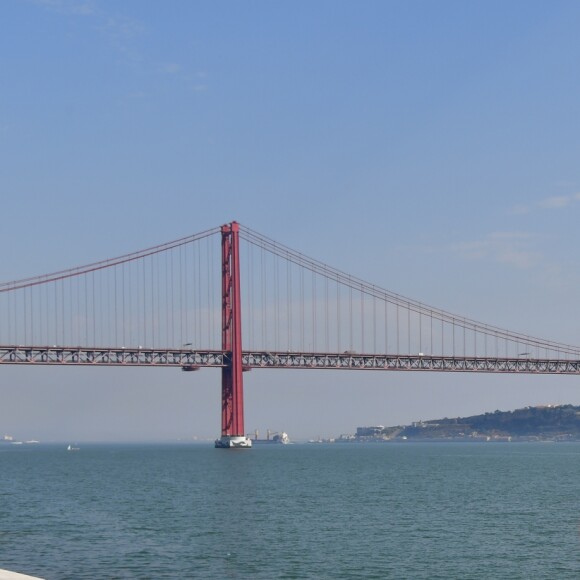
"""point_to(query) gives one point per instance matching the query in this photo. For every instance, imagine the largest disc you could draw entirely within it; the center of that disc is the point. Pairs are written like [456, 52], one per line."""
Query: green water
[298, 511]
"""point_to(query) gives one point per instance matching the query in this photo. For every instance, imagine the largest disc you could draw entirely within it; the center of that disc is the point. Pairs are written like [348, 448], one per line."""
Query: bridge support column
[233, 435]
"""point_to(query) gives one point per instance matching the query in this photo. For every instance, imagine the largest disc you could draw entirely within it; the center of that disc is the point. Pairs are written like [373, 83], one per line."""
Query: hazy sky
[431, 148]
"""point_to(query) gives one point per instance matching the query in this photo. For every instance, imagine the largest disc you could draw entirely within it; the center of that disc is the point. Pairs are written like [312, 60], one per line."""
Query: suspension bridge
[234, 299]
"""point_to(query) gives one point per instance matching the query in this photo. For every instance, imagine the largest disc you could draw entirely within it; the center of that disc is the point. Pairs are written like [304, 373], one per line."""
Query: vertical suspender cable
[181, 311]
[144, 282]
[374, 322]
[265, 302]
[277, 299]
[9, 315]
[289, 301]
[485, 344]
[386, 306]
[159, 304]
[301, 309]
[48, 325]
[25, 318]
[245, 261]
[420, 331]
[70, 311]
[63, 339]
[108, 338]
[123, 302]
[38, 315]
[453, 327]
[362, 316]
[86, 310]
[130, 321]
[166, 302]
[431, 330]
[350, 347]
[338, 310]
[314, 321]
[326, 306]
[154, 325]
[199, 310]
[208, 274]
[409, 327]
[398, 341]
[171, 257]
[213, 293]
[252, 296]
[94, 320]
[187, 289]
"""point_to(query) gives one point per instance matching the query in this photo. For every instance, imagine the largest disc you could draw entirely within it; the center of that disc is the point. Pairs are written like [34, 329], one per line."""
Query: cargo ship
[272, 438]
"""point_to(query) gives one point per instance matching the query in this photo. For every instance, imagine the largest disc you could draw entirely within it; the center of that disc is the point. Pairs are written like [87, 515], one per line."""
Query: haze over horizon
[429, 148]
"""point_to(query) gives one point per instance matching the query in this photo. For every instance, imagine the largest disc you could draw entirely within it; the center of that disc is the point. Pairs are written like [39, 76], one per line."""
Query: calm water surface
[298, 511]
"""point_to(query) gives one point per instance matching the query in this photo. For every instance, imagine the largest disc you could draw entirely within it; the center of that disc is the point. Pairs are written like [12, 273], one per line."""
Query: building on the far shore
[369, 431]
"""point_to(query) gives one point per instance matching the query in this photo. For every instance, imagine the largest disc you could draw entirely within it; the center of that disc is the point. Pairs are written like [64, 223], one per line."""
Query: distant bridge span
[189, 360]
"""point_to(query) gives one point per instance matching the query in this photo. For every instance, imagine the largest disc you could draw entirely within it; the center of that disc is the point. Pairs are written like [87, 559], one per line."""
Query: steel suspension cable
[314, 265]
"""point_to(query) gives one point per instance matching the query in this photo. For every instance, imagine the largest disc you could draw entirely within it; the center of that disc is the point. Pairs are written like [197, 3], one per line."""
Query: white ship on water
[277, 438]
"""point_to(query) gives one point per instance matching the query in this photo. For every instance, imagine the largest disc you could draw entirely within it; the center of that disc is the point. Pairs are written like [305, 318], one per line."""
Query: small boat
[71, 448]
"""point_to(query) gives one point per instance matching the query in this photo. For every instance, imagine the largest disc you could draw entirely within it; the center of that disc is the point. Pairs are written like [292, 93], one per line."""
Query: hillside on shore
[543, 423]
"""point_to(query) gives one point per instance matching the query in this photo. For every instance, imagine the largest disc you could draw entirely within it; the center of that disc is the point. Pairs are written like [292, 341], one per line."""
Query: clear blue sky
[432, 148]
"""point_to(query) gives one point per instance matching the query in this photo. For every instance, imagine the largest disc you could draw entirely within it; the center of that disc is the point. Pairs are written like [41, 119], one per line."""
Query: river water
[408, 510]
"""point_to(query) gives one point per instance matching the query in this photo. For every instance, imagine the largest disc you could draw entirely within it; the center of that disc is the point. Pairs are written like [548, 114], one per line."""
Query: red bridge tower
[233, 434]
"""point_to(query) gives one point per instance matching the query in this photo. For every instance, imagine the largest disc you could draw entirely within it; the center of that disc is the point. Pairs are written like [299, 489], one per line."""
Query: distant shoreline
[545, 423]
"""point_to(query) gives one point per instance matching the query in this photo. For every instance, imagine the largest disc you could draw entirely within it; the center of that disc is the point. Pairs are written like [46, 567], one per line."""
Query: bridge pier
[233, 434]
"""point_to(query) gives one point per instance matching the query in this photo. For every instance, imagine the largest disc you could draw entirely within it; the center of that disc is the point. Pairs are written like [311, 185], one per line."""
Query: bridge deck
[196, 359]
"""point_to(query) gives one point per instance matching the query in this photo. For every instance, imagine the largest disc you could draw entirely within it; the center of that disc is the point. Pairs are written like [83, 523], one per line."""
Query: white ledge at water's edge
[7, 575]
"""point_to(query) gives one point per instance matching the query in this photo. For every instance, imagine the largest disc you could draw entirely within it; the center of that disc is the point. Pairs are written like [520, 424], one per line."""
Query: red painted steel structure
[232, 380]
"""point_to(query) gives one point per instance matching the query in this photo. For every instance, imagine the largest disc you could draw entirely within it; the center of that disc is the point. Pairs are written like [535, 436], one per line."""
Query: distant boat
[272, 438]
[71, 448]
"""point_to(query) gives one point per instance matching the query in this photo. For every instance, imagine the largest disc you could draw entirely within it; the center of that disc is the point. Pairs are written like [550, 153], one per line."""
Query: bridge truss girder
[194, 359]
[347, 361]
[187, 359]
